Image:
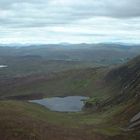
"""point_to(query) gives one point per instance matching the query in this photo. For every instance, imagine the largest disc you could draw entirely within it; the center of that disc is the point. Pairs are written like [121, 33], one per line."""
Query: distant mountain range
[79, 52]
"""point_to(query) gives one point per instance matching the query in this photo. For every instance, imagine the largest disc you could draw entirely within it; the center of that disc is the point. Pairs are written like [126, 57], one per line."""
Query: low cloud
[66, 19]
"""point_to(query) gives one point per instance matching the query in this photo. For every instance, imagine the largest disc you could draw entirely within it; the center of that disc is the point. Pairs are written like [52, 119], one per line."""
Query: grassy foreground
[23, 120]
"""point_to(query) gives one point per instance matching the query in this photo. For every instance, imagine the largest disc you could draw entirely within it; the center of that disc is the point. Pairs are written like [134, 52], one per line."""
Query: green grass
[73, 82]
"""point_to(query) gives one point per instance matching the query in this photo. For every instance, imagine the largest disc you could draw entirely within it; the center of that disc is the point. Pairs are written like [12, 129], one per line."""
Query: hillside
[116, 116]
[127, 78]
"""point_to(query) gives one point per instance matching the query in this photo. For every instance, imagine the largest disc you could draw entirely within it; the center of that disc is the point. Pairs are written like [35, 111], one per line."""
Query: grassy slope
[87, 82]
[20, 119]
[28, 121]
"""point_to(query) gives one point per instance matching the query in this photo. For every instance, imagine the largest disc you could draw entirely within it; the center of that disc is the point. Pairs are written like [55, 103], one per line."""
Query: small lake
[3, 66]
[63, 104]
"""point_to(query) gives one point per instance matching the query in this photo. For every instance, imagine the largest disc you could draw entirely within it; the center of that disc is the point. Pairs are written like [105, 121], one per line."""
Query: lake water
[3, 66]
[63, 104]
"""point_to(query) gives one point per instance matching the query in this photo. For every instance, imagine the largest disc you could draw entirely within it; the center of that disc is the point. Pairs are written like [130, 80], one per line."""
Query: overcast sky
[73, 21]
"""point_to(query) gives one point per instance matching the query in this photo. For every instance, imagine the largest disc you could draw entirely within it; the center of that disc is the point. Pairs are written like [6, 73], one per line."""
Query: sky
[72, 21]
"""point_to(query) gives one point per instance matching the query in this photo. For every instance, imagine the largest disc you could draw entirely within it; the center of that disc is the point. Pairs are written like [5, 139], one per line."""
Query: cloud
[70, 20]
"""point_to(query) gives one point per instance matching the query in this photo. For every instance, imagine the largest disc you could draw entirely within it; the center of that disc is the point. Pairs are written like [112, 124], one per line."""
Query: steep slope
[124, 85]
[127, 79]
